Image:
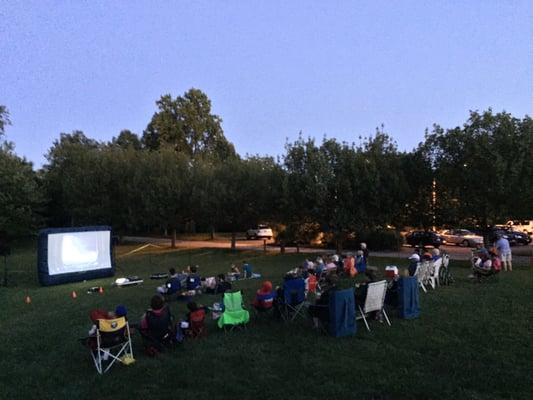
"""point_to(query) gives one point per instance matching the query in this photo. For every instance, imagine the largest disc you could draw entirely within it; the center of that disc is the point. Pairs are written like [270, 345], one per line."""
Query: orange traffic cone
[101, 290]
[73, 295]
[28, 300]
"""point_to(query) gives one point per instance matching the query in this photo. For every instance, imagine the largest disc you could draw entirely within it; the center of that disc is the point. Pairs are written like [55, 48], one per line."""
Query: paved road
[522, 254]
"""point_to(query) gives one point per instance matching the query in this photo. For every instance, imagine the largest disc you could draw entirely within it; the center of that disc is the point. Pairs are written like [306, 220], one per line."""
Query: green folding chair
[234, 314]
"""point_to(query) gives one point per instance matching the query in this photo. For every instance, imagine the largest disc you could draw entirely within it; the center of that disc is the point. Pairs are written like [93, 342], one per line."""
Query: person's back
[193, 280]
[157, 321]
[264, 298]
[496, 263]
[173, 285]
[503, 249]
[414, 259]
[360, 262]
[311, 283]
[502, 245]
[247, 270]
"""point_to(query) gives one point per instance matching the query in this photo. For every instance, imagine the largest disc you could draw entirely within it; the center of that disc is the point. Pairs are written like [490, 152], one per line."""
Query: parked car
[462, 237]
[261, 232]
[525, 226]
[424, 238]
[516, 237]
[513, 237]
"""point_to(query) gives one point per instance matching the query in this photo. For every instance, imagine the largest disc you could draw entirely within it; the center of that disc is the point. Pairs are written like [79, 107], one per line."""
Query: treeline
[182, 174]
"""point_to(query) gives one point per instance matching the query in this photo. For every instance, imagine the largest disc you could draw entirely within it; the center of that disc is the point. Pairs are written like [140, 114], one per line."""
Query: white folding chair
[445, 260]
[375, 299]
[434, 276]
[421, 274]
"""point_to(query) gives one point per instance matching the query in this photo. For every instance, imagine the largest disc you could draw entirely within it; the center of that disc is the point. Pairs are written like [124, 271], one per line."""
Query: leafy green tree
[21, 198]
[127, 139]
[188, 126]
[67, 179]
[163, 181]
[4, 120]
[478, 166]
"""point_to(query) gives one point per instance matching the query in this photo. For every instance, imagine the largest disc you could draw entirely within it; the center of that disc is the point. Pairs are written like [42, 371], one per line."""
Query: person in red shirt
[264, 298]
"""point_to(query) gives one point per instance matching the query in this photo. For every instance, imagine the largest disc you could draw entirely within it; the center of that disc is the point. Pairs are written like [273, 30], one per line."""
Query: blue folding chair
[408, 298]
[293, 300]
[342, 313]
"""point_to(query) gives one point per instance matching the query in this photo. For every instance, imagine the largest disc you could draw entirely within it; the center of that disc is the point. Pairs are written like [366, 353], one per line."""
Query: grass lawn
[473, 341]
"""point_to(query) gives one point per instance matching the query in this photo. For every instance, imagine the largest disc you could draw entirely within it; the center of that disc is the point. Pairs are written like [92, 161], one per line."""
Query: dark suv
[424, 238]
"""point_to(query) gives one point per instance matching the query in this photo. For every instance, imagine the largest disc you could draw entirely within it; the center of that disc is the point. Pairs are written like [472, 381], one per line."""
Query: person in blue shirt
[504, 251]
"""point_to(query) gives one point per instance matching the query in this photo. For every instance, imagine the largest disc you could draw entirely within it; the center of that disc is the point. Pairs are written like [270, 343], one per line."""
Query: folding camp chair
[434, 276]
[234, 314]
[408, 298]
[421, 274]
[293, 301]
[160, 331]
[197, 327]
[342, 313]
[375, 299]
[113, 343]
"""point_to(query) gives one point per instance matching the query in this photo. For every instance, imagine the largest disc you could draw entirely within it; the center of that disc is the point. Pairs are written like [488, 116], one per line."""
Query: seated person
[222, 285]
[311, 282]
[485, 266]
[435, 254]
[338, 262]
[234, 273]
[319, 266]
[98, 314]
[349, 262]
[320, 310]
[193, 280]
[195, 319]
[480, 251]
[330, 266]
[157, 327]
[426, 255]
[361, 290]
[264, 297]
[414, 259]
[172, 285]
[308, 265]
[360, 262]
[246, 270]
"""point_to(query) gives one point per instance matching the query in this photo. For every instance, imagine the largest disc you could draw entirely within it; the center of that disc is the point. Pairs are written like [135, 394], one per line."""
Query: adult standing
[504, 251]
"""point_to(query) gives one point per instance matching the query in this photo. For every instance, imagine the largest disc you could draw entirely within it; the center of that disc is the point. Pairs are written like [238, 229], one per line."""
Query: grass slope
[473, 341]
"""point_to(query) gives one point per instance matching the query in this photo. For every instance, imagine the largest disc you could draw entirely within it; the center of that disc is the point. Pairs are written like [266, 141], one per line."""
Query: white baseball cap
[415, 257]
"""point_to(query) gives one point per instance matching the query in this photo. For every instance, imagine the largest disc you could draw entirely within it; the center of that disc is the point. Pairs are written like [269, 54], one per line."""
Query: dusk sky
[271, 68]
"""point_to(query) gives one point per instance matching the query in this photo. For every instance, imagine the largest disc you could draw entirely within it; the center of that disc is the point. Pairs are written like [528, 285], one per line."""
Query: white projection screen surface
[72, 252]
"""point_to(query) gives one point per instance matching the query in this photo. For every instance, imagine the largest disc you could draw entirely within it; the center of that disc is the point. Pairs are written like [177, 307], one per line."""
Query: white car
[525, 226]
[261, 232]
[462, 237]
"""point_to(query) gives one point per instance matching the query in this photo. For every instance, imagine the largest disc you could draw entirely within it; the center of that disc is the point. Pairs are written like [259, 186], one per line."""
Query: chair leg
[423, 287]
[386, 316]
[364, 319]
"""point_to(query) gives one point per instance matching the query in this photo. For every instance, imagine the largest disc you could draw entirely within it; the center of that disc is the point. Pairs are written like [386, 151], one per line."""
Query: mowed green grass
[472, 341]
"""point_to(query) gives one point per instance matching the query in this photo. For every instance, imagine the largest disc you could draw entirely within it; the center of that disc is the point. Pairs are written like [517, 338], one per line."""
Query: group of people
[420, 255]
[188, 282]
[486, 262]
